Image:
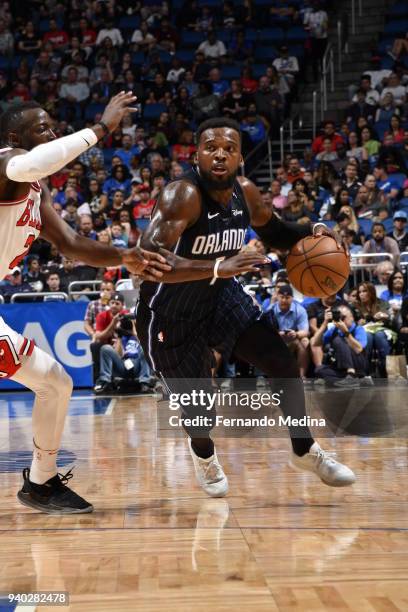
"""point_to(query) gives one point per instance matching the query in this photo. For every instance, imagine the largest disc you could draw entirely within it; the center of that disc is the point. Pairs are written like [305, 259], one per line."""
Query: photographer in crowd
[344, 344]
[124, 358]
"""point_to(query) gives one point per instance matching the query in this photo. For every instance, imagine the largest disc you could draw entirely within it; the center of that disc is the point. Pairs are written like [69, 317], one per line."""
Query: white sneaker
[209, 473]
[330, 471]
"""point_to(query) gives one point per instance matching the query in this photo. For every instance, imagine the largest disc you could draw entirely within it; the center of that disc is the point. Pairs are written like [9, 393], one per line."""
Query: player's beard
[218, 184]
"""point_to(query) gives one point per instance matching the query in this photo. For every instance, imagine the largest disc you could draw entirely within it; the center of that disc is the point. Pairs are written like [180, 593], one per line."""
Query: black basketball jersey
[218, 232]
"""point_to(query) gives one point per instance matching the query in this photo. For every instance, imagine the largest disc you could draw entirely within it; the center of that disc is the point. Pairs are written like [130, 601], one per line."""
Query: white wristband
[317, 225]
[49, 157]
[216, 266]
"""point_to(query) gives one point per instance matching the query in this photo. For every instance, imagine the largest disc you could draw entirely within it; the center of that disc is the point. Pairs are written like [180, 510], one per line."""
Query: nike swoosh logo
[86, 141]
[214, 215]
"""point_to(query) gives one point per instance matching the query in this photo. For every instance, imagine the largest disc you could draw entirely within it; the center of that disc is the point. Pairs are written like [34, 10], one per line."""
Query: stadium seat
[192, 39]
[259, 70]
[93, 109]
[138, 58]
[153, 111]
[387, 63]
[399, 26]
[365, 226]
[263, 53]
[251, 35]
[107, 156]
[231, 72]
[272, 36]
[296, 33]
[399, 10]
[388, 224]
[186, 55]
[381, 127]
[384, 45]
[129, 22]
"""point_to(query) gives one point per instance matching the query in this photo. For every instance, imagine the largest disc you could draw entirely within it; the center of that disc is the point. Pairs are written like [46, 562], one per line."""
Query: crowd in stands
[188, 62]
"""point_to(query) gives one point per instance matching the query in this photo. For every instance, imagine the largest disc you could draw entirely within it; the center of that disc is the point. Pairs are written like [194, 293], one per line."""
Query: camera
[337, 316]
[125, 326]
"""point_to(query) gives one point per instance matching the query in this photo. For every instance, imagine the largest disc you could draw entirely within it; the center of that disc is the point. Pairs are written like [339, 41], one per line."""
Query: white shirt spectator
[286, 64]
[174, 75]
[377, 76]
[112, 33]
[83, 72]
[79, 91]
[138, 37]
[213, 51]
[398, 92]
[316, 21]
[372, 97]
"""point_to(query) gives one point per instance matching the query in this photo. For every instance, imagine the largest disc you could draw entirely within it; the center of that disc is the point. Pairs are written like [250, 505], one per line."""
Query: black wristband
[347, 334]
[105, 128]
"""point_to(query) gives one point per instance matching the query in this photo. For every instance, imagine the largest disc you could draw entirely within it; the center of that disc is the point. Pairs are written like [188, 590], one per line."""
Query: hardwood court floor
[279, 541]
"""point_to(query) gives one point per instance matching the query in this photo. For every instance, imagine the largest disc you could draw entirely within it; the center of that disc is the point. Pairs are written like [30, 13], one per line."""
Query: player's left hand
[146, 264]
[319, 229]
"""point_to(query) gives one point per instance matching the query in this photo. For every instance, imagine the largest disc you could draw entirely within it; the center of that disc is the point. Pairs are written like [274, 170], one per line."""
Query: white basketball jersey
[20, 225]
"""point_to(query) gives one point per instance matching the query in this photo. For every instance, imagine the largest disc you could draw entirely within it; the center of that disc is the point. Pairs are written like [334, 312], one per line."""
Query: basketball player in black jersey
[198, 306]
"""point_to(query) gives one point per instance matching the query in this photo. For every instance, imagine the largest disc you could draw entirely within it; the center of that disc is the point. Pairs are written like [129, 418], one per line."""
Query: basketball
[317, 266]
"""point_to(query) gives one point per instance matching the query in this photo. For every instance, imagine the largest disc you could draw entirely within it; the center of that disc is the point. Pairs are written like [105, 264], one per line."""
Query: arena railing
[73, 292]
[256, 157]
[362, 264]
[354, 4]
[54, 296]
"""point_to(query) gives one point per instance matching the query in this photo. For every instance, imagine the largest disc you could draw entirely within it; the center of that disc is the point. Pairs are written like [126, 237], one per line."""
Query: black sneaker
[52, 497]
[103, 388]
[349, 382]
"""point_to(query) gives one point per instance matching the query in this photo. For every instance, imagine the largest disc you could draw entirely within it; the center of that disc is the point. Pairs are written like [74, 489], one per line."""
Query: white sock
[44, 465]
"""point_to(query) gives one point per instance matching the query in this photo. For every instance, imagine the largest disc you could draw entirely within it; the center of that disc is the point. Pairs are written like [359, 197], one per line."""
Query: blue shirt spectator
[357, 331]
[255, 128]
[287, 313]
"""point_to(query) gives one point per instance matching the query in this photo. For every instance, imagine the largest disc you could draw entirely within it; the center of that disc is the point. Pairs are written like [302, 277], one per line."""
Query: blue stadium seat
[387, 63]
[388, 224]
[165, 57]
[399, 10]
[185, 55]
[395, 27]
[398, 177]
[259, 70]
[296, 33]
[296, 50]
[330, 224]
[210, 3]
[93, 109]
[192, 39]
[129, 22]
[272, 35]
[365, 226]
[138, 58]
[381, 127]
[224, 35]
[262, 3]
[231, 72]
[4, 63]
[251, 35]
[263, 53]
[384, 45]
[107, 156]
[153, 111]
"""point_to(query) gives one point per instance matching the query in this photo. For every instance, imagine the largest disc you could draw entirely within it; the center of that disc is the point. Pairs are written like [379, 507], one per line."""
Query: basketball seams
[307, 267]
[308, 259]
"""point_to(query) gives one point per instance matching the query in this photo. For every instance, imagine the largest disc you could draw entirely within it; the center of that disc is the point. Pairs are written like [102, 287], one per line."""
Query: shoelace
[322, 455]
[213, 471]
[64, 478]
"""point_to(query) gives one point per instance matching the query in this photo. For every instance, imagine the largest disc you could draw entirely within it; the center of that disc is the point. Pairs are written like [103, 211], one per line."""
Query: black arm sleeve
[282, 234]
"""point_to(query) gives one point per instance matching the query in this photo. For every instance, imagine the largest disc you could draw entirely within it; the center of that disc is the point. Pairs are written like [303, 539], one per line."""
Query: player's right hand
[118, 107]
[240, 264]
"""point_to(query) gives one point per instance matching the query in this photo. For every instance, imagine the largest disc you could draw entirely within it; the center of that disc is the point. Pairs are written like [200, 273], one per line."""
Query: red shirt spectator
[329, 132]
[59, 38]
[106, 321]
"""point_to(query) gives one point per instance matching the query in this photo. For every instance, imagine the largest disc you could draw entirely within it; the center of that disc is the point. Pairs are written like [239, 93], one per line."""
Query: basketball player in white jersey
[31, 152]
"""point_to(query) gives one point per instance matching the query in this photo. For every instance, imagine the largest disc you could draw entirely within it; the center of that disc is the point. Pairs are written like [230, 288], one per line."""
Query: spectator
[125, 358]
[328, 132]
[355, 150]
[29, 41]
[119, 180]
[176, 73]
[34, 276]
[205, 104]
[85, 227]
[380, 243]
[372, 97]
[127, 150]
[6, 40]
[373, 314]
[327, 153]
[399, 232]
[167, 36]
[387, 109]
[395, 131]
[68, 274]
[360, 108]
[110, 32]
[74, 91]
[212, 48]
[287, 65]
[59, 38]
[396, 89]
[344, 343]
[316, 23]
[185, 147]
[53, 282]
[290, 319]
[45, 69]
[14, 283]
[96, 306]
[385, 184]
[351, 182]
[316, 312]
[279, 201]
[103, 90]
[119, 238]
[106, 313]
[397, 290]
[268, 101]
[220, 86]
[254, 127]
[295, 209]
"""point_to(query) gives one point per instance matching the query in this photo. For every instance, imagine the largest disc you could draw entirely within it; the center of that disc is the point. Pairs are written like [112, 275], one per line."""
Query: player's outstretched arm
[178, 209]
[93, 253]
[45, 159]
[279, 234]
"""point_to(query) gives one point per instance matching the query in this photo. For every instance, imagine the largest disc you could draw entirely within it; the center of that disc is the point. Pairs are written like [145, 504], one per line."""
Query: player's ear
[13, 139]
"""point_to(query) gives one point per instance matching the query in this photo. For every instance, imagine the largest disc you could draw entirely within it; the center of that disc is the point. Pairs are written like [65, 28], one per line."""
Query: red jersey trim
[15, 202]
